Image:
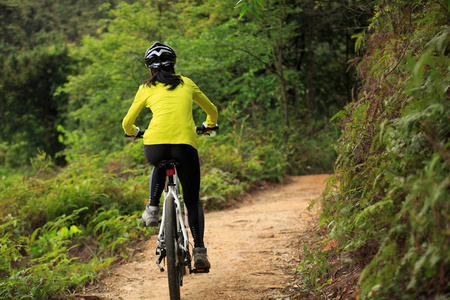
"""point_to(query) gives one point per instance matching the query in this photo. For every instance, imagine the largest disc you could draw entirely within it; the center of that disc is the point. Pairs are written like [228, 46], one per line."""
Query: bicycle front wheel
[173, 268]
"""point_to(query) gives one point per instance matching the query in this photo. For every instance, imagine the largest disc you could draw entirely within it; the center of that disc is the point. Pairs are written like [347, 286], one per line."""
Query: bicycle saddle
[168, 163]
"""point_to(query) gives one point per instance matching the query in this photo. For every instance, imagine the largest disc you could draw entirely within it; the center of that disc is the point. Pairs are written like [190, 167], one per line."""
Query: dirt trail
[252, 249]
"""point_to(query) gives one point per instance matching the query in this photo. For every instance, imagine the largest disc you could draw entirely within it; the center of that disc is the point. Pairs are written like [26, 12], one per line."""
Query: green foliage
[30, 118]
[115, 231]
[387, 204]
[29, 23]
[310, 150]
[9, 246]
[246, 161]
[230, 166]
[53, 235]
[218, 189]
[313, 269]
[61, 233]
[34, 63]
[41, 265]
[52, 274]
[246, 3]
[42, 162]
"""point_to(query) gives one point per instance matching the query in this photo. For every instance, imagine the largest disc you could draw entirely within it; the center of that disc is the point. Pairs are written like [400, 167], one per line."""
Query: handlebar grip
[139, 135]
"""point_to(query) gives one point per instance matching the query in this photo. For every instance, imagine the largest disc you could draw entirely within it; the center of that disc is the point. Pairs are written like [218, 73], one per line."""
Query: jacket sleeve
[128, 122]
[210, 109]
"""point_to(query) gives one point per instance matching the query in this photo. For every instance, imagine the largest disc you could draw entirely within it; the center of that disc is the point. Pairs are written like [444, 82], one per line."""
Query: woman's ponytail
[165, 75]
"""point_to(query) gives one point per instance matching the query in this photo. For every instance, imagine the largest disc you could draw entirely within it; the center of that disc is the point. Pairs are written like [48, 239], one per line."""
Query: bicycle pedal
[205, 270]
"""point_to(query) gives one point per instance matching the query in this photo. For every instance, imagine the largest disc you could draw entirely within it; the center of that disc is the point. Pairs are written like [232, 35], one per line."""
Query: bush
[387, 204]
[87, 208]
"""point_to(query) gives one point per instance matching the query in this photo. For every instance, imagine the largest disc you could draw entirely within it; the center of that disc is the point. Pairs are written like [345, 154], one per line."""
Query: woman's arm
[128, 122]
[210, 109]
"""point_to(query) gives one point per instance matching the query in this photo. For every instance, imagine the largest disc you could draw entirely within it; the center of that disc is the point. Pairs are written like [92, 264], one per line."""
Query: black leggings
[189, 174]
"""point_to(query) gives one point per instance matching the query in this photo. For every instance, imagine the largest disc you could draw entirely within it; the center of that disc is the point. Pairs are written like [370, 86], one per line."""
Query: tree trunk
[284, 96]
[310, 92]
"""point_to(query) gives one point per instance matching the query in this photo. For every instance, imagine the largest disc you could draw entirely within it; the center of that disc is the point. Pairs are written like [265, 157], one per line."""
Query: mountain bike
[173, 241]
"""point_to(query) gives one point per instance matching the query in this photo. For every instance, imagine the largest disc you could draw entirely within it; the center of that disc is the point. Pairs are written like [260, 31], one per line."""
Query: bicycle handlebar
[199, 129]
[206, 130]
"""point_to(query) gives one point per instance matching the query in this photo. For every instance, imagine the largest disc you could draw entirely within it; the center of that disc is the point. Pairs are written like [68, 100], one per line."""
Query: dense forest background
[354, 88]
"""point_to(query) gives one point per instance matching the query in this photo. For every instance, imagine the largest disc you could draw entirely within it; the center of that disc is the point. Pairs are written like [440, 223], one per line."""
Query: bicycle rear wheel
[173, 266]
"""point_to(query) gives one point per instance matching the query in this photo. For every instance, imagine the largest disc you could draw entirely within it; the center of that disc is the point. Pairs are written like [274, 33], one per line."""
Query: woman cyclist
[171, 135]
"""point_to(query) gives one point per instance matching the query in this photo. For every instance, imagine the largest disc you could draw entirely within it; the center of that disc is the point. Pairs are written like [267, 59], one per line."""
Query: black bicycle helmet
[159, 55]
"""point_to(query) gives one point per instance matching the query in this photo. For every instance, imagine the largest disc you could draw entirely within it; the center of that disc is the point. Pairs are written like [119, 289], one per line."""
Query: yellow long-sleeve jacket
[172, 121]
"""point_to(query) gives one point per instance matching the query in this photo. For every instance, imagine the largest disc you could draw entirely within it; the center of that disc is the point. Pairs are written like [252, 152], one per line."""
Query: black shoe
[201, 259]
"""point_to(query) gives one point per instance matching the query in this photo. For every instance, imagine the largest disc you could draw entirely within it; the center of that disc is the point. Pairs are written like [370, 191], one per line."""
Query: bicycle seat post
[169, 165]
[170, 171]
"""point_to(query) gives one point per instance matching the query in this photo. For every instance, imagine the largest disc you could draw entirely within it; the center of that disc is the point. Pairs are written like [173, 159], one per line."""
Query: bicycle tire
[173, 268]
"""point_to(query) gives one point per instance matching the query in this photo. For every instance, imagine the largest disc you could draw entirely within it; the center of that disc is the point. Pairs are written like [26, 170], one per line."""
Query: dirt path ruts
[252, 249]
